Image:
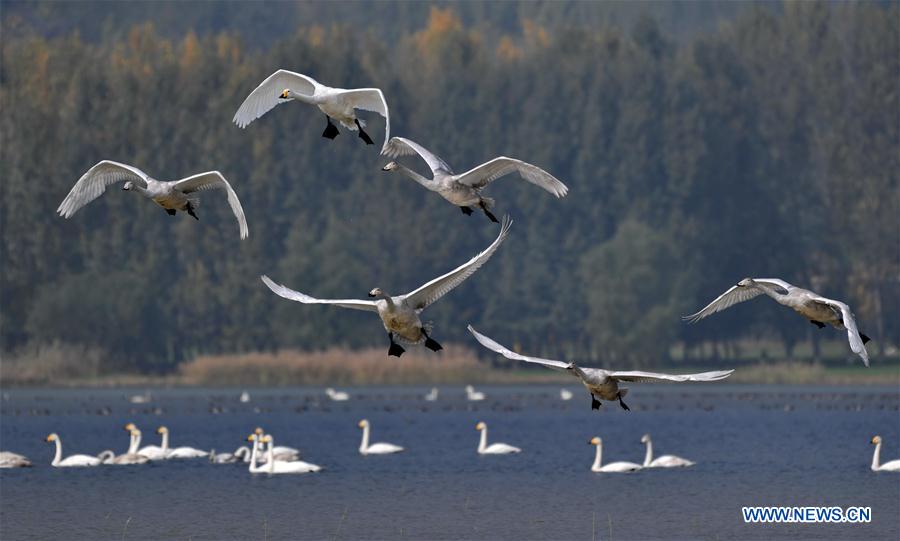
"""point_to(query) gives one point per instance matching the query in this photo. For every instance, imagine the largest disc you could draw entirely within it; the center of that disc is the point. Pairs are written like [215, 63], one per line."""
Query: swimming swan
[337, 103]
[816, 308]
[375, 448]
[281, 452]
[400, 314]
[472, 395]
[337, 396]
[665, 461]
[464, 190]
[494, 448]
[71, 461]
[893, 465]
[178, 452]
[241, 454]
[432, 395]
[272, 465]
[613, 467]
[109, 457]
[153, 452]
[602, 384]
[13, 460]
[173, 195]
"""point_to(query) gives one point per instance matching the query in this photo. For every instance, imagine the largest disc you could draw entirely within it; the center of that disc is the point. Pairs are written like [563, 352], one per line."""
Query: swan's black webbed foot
[466, 210]
[170, 212]
[395, 350]
[331, 130]
[431, 344]
[624, 407]
[190, 210]
[818, 324]
[865, 338]
[488, 213]
[363, 135]
[595, 404]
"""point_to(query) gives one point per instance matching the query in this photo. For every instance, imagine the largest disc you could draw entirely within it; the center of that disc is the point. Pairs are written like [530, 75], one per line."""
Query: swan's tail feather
[488, 202]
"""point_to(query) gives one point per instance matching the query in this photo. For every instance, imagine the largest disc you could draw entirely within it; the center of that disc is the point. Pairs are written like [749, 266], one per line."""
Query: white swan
[472, 395]
[109, 457]
[281, 452]
[13, 460]
[893, 465]
[613, 467]
[337, 103]
[245, 397]
[153, 452]
[400, 314]
[602, 384]
[337, 396]
[178, 452]
[173, 195]
[464, 190]
[814, 307]
[432, 395]
[665, 461]
[272, 465]
[375, 448]
[494, 448]
[565, 394]
[241, 454]
[71, 461]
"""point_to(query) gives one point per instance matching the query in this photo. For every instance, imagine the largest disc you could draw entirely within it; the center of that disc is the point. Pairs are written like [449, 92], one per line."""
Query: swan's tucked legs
[624, 407]
[331, 130]
[170, 212]
[190, 210]
[431, 344]
[818, 324]
[595, 404]
[466, 210]
[362, 134]
[395, 349]
[488, 213]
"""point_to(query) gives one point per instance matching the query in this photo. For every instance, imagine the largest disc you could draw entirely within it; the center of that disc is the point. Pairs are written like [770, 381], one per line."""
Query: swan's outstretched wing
[735, 295]
[490, 171]
[213, 180]
[288, 293]
[437, 288]
[370, 99]
[267, 95]
[93, 183]
[509, 354]
[856, 343]
[401, 146]
[650, 377]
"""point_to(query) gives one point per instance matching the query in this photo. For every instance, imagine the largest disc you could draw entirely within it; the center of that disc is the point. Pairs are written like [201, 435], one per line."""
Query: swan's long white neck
[482, 444]
[302, 97]
[598, 457]
[387, 298]
[364, 445]
[270, 456]
[876, 458]
[136, 438]
[648, 458]
[770, 291]
[253, 455]
[431, 184]
[165, 441]
[132, 445]
[58, 456]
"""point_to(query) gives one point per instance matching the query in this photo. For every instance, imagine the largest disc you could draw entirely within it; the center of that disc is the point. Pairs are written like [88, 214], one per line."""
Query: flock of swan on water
[400, 314]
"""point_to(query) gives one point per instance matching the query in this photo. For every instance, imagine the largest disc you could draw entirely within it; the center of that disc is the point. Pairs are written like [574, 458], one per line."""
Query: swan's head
[645, 438]
[251, 437]
[362, 424]
[480, 425]
[266, 439]
[128, 185]
[469, 388]
[745, 282]
[595, 441]
[52, 437]
[390, 167]
[377, 292]
[258, 431]
[329, 390]
[162, 430]
[285, 94]
[129, 427]
[876, 440]
[570, 366]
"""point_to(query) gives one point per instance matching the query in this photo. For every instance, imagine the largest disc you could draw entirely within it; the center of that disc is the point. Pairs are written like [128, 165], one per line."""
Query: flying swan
[173, 195]
[494, 448]
[71, 461]
[464, 190]
[612, 467]
[337, 103]
[602, 384]
[400, 314]
[375, 448]
[893, 465]
[665, 461]
[814, 307]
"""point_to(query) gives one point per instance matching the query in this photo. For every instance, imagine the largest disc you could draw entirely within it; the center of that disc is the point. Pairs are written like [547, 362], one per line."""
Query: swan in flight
[71, 461]
[893, 465]
[173, 196]
[819, 310]
[400, 314]
[665, 461]
[472, 395]
[13, 460]
[337, 396]
[178, 452]
[565, 394]
[602, 384]
[337, 103]
[494, 448]
[375, 448]
[432, 395]
[275, 466]
[612, 467]
[464, 190]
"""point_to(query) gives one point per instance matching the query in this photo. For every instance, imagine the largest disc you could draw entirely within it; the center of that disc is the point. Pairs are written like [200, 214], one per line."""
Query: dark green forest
[766, 144]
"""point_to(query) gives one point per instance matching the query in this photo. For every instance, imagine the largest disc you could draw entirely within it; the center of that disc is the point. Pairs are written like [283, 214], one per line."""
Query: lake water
[772, 445]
